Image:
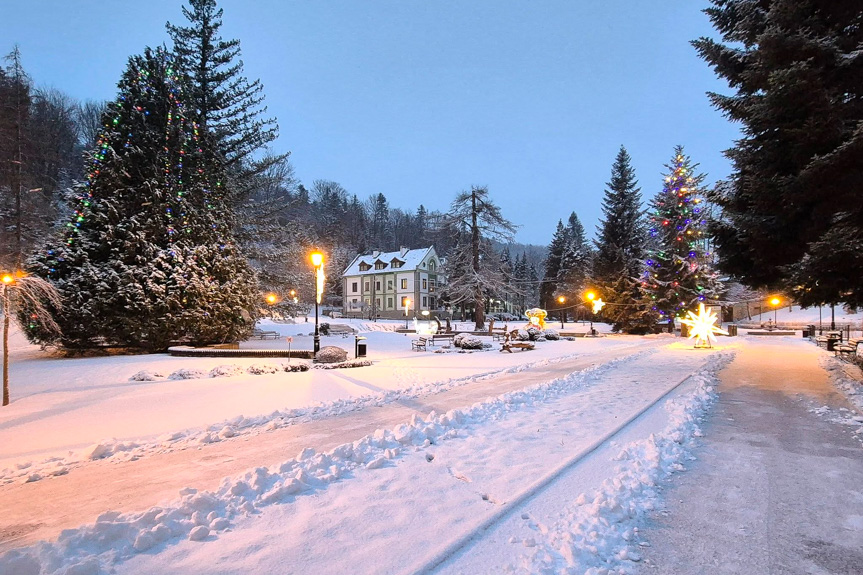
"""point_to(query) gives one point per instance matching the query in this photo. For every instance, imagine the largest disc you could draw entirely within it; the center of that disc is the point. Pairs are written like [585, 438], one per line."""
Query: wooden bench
[419, 344]
[849, 346]
[261, 334]
[522, 345]
[442, 337]
[342, 330]
[826, 339]
[499, 334]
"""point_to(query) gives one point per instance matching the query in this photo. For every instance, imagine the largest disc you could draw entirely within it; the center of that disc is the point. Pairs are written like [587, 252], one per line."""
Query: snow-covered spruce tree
[575, 261]
[148, 258]
[796, 68]
[552, 262]
[678, 273]
[620, 251]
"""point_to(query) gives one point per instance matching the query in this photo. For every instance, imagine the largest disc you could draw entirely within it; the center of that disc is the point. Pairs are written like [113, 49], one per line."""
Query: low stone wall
[186, 351]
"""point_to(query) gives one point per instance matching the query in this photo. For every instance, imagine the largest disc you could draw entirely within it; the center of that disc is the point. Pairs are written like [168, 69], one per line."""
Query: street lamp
[561, 300]
[408, 303]
[590, 296]
[318, 262]
[294, 295]
[775, 301]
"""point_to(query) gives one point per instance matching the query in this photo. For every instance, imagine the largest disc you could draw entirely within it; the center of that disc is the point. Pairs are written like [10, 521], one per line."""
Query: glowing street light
[294, 295]
[318, 262]
[562, 300]
[407, 308]
[272, 298]
[775, 301]
[596, 304]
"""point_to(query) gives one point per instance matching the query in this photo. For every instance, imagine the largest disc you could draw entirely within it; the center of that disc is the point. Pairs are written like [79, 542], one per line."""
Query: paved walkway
[776, 489]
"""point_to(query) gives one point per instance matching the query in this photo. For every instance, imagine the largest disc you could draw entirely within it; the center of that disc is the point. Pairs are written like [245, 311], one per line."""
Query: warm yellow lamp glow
[8, 279]
[561, 299]
[272, 298]
[317, 259]
[775, 301]
[598, 305]
[701, 326]
[590, 295]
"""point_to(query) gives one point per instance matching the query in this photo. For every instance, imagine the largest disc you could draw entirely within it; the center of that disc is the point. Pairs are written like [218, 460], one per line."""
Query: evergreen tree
[225, 102]
[148, 257]
[797, 71]
[678, 274]
[575, 259]
[620, 250]
[552, 267]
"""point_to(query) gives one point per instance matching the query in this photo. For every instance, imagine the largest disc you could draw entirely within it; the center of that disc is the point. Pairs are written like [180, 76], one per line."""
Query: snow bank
[202, 516]
[28, 471]
[847, 379]
[598, 533]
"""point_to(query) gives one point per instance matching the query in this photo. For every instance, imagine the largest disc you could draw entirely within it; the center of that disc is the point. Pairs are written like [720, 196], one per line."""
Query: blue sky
[421, 100]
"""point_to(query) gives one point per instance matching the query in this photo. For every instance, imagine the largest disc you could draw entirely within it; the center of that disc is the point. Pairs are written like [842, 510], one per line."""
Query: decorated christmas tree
[678, 273]
[148, 258]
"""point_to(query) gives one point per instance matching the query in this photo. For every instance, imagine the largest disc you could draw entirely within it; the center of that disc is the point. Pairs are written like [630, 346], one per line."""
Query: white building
[379, 284]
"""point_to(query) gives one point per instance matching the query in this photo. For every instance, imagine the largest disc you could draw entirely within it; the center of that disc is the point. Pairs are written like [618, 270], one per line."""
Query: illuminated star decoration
[702, 327]
[598, 304]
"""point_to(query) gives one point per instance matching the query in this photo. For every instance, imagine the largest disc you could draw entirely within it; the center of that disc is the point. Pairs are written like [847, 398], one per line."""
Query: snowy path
[40, 510]
[437, 481]
[788, 498]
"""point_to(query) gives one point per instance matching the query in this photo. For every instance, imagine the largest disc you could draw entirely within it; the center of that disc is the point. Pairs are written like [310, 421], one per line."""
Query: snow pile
[344, 364]
[227, 371]
[29, 471]
[201, 516]
[838, 370]
[598, 534]
[145, 375]
[331, 354]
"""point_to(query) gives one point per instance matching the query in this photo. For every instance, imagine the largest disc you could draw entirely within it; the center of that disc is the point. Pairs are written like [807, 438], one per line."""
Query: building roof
[410, 259]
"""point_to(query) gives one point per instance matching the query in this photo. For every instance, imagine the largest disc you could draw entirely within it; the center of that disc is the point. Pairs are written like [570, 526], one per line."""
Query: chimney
[376, 253]
[403, 250]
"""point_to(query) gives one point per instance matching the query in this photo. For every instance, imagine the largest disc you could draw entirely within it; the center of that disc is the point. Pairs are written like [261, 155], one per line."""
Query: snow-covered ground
[552, 476]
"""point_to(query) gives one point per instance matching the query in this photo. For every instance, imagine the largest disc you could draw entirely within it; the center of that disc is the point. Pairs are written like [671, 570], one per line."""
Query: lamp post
[294, 295]
[561, 300]
[775, 301]
[407, 308]
[590, 296]
[318, 262]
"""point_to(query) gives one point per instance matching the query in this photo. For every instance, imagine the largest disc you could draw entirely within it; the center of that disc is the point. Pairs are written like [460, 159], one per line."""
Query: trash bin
[684, 330]
[359, 348]
[805, 332]
[732, 329]
[831, 342]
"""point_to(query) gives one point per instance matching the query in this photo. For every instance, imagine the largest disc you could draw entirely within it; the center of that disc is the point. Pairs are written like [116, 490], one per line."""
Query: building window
[425, 283]
[404, 300]
[364, 267]
[389, 284]
[389, 303]
[377, 304]
[354, 287]
[432, 266]
[432, 303]
[431, 285]
[367, 286]
[380, 265]
[377, 286]
[404, 284]
[425, 301]
[397, 263]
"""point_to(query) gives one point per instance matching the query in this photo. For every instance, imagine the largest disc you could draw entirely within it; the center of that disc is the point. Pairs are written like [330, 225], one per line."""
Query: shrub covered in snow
[533, 333]
[145, 375]
[324, 328]
[289, 367]
[262, 369]
[523, 335]
[467, 341]
[188, 374]
[344, 364]
[226, 371]
[551, 334]
[331, 354]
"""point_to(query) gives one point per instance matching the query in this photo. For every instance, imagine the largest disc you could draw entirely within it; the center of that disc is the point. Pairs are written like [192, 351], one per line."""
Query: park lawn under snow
[402, 500]
[68, 410]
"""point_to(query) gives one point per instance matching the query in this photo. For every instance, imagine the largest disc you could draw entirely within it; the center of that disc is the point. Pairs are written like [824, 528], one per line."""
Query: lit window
[404, 284]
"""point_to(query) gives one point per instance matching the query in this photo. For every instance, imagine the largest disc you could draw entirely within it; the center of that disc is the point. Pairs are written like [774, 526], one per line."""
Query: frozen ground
[548, 461]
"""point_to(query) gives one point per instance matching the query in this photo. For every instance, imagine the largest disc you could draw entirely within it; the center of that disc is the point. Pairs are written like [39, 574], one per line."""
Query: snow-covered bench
[264, 334]
[849, 347]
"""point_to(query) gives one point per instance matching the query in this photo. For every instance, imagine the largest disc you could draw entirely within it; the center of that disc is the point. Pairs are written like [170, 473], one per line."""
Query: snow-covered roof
[411, 259]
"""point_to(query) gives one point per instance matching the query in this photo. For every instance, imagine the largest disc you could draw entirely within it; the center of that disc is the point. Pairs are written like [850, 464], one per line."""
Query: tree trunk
[5, 345]
[479, 304]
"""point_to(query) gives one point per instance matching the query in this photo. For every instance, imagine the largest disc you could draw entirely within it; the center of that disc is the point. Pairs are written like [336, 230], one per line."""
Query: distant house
[378, 284]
